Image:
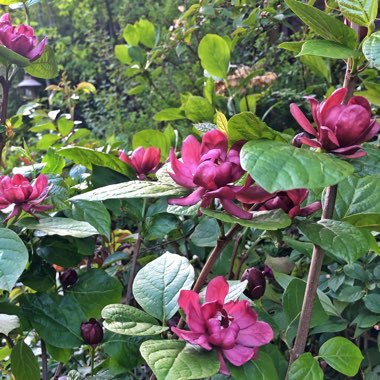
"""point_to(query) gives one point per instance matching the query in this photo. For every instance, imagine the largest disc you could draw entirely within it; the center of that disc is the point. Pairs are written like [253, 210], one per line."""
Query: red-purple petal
[217, 290]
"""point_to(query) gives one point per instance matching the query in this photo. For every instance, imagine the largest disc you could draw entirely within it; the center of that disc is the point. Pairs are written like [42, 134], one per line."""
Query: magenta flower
[231, 328]
[19, 192]
[209, 169]
[290, 201]
[21, 39]
[341, 128]
[144, 161]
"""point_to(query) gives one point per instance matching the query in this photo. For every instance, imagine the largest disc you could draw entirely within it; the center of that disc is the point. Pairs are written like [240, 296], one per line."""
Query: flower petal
[240, 355]
[193, 338]
[217, 290]
[302, 119]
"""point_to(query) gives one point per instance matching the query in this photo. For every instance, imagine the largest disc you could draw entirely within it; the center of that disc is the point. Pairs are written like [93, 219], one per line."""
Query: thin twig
[45, 374]
[58, 371]
[135, 255]
[234, 255]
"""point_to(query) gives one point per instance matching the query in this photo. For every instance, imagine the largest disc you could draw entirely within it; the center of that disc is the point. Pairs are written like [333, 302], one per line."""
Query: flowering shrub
[204, 258]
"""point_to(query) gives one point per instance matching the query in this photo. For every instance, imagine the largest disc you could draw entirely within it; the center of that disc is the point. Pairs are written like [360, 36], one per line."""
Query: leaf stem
[92, 360]
[45, 375]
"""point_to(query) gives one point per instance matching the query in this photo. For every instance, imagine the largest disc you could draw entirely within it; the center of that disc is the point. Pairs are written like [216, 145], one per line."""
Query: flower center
[225, 319]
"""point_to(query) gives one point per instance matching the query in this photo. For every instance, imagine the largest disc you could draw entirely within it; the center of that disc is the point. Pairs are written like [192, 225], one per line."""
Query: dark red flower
[256, 283]
[210, 169]
[19, 192]
[290, 201]
[231, 328]
[92, 332]
[341, 128]
[68, 277]
[21, 39]
[144, 161]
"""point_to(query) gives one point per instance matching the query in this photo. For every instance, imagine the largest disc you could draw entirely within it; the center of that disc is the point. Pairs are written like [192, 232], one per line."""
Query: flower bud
[297, 139]
[267, 271]
[68, 277]
[92, 332]
[256, 283]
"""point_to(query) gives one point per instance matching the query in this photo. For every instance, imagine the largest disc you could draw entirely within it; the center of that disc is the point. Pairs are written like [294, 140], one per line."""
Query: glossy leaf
[176, 360]
[206, 233]
[342, 355]
[278, 166]
[127, 320]
[214, 53]
[340, 239]
[157, 285]
[132, 189]
[44, 67]
[371, 49]
[369, 164]
[360, 12]
[306, 367]
[198, 109]
[88, 157]
[60, 226]
[328, 27]
[372, 303]
[328, 49]
[262, 220]
[13, 258]
[23, 363]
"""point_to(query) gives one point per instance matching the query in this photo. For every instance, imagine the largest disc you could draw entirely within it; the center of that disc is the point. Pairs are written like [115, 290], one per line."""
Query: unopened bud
[92, 332]
[297, 139]
[68, 277]
[256, 283]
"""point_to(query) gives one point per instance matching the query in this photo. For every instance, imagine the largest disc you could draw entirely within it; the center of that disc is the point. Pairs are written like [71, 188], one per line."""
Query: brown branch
[45, 372]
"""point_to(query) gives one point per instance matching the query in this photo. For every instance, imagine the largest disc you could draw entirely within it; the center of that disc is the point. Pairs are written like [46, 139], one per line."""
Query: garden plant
[194, 193]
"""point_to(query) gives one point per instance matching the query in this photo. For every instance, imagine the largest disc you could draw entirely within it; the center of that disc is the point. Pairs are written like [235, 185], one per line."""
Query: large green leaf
[60, 226]
[371, 49]
[176, 360]
[23, 363]
[131, 35]
[328, 27]
[262, 220]
[56, 319]
[198, 109]
[339, 239]
[13, 258]
[369, 164]
[94, 290]
[328, 49]
[262, 368]
[132, 189]
[9, 56]
[44, 67]
[8, 323]
[127, 320]
[306, 367]
[247, 126]
[214, 53]
[292, 302]
[360, 12]
[206, 233]
[318, 66]
[169, 114]
[94, 213]
[372, 303]
[278, 166]
[158, 284]
[147, 33]
[342, 355]
[88, 157]
[151, 137]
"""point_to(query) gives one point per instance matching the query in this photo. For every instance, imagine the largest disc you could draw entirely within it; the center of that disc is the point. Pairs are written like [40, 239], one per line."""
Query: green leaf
[351, 294]
[360, 12]
[122, 54]
[328, 49]
[9, 56]
[59, 354]
[65, 126]
[292, 302]
[13, 258]
[157, 285]
[23, 363]
[60, 226]
[131, 34]
[294, 46]
[206, 233]
[8, 2]
[8, 323]
[262, 220]
[169, 114]
[94, 213]
[54, 162]
[326, 26]
[340, 239]
[369, 164]
[94, 290]
[247, 126]
[151, 137]
[56, 319]
[198, 109]
[371, 49]
[372, 303]
[132, 189]
[342, 355]
[278, 166]
[176, 360]
[214, 54]
[44, 67]
[47, 141]
[306, 367]
[88, 157]
[261, 368]
[147, 33]
[127, 320]
[318, 66]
